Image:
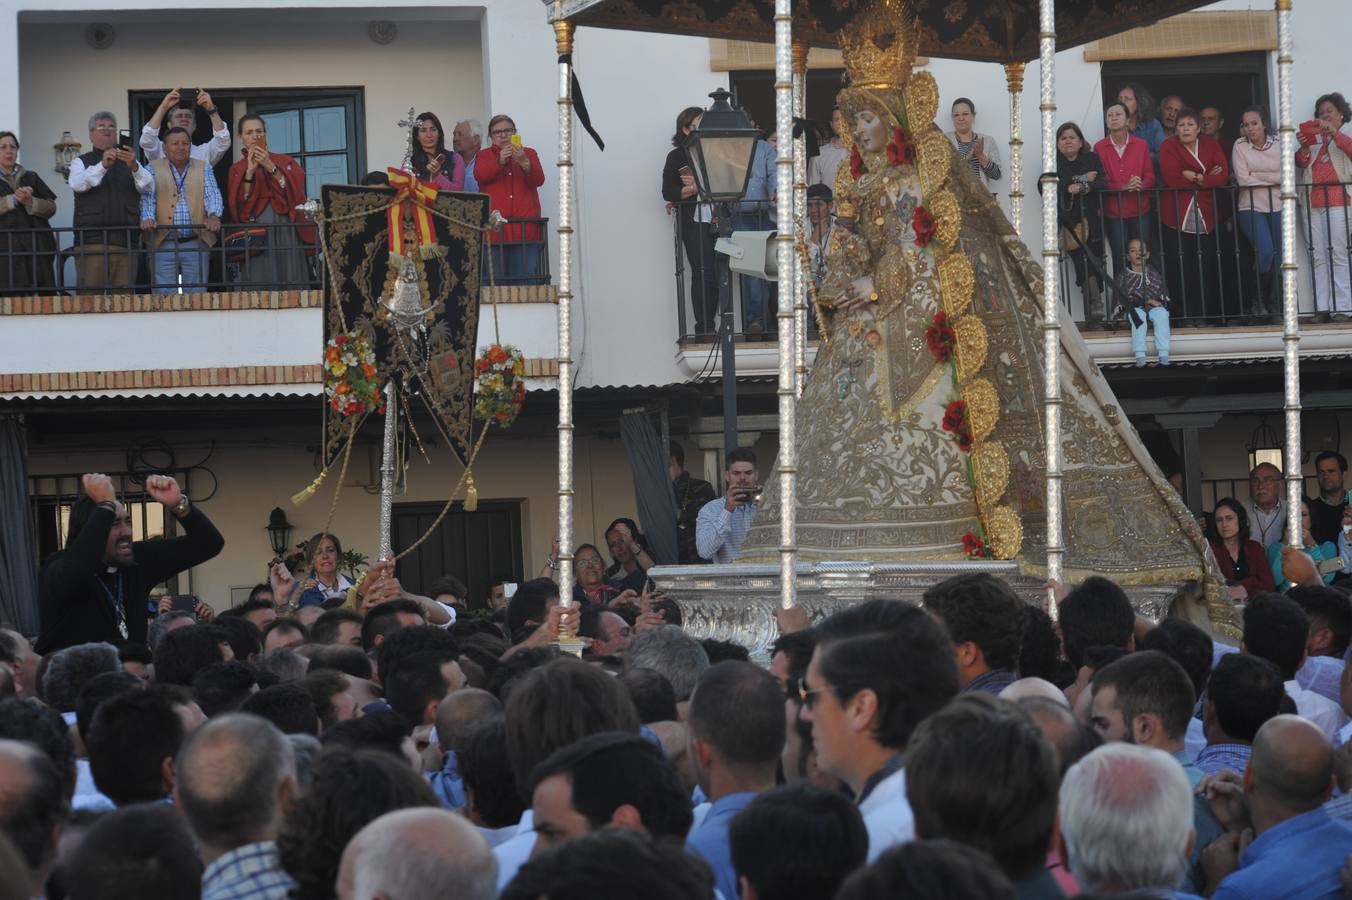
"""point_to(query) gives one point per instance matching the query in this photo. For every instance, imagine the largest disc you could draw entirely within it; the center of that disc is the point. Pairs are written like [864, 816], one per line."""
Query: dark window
[755, 93]
[1231, 81]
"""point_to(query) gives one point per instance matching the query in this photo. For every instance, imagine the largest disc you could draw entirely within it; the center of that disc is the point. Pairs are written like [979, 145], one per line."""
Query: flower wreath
[500, 371]
[350, 381]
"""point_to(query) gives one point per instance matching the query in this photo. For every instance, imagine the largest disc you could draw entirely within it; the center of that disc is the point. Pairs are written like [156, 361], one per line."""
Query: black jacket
[75, 588]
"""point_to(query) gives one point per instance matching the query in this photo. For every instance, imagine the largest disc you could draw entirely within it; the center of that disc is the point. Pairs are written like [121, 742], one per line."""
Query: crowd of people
[343, 737]
[242, 230]
[1190, 212]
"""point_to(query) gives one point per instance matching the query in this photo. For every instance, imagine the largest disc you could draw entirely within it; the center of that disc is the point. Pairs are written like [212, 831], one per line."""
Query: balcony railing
[1224, 270]
[259, 256]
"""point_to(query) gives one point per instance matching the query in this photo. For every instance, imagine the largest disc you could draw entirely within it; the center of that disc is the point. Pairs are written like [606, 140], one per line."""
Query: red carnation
[856, 162]
[973, 545]
[340, 340]
[955, 421]
[940, 337]
[923, 223]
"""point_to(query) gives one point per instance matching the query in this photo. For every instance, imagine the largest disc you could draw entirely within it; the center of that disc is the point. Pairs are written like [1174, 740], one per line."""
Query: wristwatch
[180, 509]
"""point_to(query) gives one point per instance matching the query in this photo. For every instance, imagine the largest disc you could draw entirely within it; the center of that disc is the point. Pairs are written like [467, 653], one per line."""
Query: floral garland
[500, 370]
[941, 338]
[350, 375]
[957, 423]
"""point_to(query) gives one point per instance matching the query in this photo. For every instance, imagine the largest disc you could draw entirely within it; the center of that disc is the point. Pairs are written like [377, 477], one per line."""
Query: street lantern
[66, 151]
[1265, 446]
[721, 150]
[279, 532]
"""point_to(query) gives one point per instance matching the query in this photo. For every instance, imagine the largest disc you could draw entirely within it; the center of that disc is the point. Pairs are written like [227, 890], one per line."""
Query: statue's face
[870, 131]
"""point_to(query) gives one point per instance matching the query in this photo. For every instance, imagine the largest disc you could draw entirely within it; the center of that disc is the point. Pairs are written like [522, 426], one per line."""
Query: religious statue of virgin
[920, 429]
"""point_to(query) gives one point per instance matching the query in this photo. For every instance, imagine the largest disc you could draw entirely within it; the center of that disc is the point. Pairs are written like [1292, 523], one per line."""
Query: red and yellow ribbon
[415, 196]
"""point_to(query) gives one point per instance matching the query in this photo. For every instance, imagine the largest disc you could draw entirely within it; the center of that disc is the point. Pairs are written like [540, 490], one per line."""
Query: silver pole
[1014, 78]
[563, 39]
[384, 545]
[1051, 312]
[1290, 299]
[786, 313]
[800, 276]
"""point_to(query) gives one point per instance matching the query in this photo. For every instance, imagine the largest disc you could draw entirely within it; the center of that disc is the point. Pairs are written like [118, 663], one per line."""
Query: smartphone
[509, 589]
[124, 139]
[187, 94]
[184, 602]
[516, 140]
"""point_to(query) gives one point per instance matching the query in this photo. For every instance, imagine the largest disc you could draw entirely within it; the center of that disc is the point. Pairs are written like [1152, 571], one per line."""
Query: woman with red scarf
[266, 188]
[511, 175]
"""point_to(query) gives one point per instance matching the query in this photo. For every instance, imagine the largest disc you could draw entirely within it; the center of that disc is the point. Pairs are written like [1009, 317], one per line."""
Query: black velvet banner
[435, 367]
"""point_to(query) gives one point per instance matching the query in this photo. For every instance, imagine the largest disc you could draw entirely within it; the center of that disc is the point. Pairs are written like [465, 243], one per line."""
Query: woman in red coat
[264, 189]
[511, 175]
[1243, 561]
[1192, 166]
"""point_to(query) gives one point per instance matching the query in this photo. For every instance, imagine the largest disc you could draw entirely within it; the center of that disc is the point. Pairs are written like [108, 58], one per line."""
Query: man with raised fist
[97, 588]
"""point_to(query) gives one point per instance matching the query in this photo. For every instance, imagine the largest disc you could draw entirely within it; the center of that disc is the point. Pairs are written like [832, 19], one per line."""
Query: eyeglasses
[502, 132]
[808, 698]
[588, 561]
[104, 128]
[1268, 480]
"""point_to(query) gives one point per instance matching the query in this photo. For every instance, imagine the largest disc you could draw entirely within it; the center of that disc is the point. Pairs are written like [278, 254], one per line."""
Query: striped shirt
[1215, 757]
[719, 533]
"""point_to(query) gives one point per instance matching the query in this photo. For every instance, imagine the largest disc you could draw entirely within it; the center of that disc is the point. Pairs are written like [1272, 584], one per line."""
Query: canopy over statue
[920, 431]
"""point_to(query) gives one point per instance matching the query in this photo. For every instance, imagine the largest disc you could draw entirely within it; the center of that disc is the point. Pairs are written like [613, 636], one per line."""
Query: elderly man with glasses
[108, 184]
[1266, 509]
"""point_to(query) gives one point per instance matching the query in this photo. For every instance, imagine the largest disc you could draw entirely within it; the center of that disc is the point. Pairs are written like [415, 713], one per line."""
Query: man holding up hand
[96, 589]
[723, 522]
[186, 118]
[108, 184]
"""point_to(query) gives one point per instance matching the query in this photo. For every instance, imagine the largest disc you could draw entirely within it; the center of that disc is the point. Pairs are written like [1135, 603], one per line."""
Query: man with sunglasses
[878, 671]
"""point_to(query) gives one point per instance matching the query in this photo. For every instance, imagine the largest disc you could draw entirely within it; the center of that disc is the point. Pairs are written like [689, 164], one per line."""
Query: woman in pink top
[1325, 161]
[1257, 165]
[431, 161]
[1129, 173]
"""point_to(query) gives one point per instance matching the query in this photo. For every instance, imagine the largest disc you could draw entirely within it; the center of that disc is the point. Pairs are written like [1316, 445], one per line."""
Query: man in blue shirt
[736, 721]
[1297, 850]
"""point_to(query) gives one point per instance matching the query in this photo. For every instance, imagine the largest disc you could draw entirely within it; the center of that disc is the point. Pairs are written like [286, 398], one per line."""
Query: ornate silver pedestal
[737, 602]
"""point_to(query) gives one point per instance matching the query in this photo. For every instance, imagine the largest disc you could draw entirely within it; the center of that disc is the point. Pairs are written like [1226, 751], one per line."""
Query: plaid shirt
[251, 872]
[1215, 757]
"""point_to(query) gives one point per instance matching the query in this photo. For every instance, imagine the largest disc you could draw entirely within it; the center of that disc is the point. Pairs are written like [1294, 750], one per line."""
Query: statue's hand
[859, 293]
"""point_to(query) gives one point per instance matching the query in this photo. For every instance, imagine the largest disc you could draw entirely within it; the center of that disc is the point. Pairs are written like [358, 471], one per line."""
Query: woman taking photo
[26, 240]
[266, 188]
[1243, 561]
[979, 151]
[694, 221]
[1325, 161]
[1080, 176]
[1316, 551]
[628, 546]
[1193, 166]
[431, 161]
[1257, 164]
[510, 174]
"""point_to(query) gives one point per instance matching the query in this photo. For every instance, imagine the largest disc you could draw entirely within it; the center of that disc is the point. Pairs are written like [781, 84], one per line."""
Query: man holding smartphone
[108, 184]
[185, 117]
[723, 522]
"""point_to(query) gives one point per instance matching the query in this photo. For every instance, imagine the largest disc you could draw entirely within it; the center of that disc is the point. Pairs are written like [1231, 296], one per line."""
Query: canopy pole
[786, 313]
[1290, 298]
[1051, 312]
[800, 276]
[1014, 78]
[563, 39]
[384, 544]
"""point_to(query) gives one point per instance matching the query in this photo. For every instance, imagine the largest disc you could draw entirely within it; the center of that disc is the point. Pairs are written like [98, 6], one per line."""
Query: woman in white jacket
[980, 151]
[1257, 165]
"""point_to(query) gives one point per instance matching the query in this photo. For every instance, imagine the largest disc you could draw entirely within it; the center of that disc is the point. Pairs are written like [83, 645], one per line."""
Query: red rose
[940, 338]
[973, 545]
[923, 223]
[340, 340]
[856, 162]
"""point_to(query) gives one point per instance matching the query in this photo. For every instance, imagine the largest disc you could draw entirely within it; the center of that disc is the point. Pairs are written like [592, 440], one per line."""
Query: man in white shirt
[722, 524]
[108, 183]
[1267, 512]
[466, 139]
[184, 117]
[879, 669]
[1276, 628]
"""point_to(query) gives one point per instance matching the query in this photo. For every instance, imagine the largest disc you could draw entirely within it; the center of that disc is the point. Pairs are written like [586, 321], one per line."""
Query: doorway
[475, 547]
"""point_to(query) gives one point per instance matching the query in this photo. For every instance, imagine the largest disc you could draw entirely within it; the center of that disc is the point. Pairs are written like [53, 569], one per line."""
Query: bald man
[236, 780]
[455, 715]
[33, 807]
[417, 854]
[1291, 847]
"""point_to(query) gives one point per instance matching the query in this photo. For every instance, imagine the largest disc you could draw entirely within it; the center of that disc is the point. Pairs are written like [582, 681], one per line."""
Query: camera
[752, 493]
[187, 94]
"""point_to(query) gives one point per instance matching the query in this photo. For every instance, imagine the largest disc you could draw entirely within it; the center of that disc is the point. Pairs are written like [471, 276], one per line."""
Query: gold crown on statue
[879, 44]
